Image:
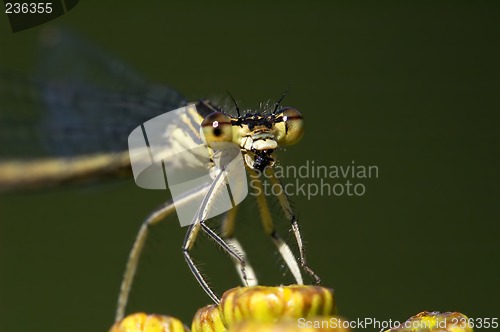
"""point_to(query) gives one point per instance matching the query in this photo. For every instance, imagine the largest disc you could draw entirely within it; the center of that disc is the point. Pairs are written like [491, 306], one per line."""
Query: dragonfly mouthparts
[263, 159]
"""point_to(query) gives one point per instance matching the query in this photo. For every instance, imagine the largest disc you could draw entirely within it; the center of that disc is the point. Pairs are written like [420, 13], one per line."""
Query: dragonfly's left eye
[216, 127]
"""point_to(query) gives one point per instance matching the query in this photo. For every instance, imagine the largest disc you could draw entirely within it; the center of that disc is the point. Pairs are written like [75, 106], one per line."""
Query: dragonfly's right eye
[216, 128]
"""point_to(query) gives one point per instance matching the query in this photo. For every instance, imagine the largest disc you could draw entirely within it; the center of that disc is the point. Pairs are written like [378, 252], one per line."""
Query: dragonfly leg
[188, 244]
[198, 223]
[186, 247]
[228, 235]
[268, 225]
[235, 255]
[285, 205]
[135, 254]
[303, 262]
[133, 259]
[219, 183]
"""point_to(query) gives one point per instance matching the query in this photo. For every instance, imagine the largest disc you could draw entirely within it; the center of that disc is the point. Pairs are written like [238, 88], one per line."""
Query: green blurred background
[411, 87]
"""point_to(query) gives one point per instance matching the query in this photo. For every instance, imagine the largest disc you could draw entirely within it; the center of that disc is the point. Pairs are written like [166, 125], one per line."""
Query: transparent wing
[81, 101]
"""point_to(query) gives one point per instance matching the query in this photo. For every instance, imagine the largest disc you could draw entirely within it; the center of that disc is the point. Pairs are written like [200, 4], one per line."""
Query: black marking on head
[254, 120]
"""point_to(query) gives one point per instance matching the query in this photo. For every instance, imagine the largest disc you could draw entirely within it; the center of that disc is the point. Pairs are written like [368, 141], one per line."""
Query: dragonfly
[73, 119]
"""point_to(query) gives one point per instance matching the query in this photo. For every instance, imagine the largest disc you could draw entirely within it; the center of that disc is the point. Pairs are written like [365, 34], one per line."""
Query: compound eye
[291, 129]
[216, 128]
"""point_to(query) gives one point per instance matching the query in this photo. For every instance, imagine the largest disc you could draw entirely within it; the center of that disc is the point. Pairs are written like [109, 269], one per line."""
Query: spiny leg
[135, 253]
[267, 223]
[186, 247]
[285, 205]
[228, 235]
[133, 259]
[230, 250]
[217, 187]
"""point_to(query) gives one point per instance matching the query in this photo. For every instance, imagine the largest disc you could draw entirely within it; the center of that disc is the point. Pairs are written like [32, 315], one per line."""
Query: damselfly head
[257, 134]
